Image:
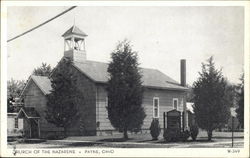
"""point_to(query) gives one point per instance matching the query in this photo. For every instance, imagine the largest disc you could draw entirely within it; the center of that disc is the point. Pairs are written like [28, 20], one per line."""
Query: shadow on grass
[166, 142]
[201, 140]
[217, 137]
[31, 141]
[150, 141]
[81, 144]
[115, 140]
[187, 141]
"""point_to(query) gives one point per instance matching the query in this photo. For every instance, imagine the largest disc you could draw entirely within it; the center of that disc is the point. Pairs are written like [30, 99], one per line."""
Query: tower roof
[74, 31]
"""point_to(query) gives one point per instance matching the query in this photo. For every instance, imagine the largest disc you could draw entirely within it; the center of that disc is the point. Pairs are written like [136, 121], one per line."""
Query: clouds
[161, 35]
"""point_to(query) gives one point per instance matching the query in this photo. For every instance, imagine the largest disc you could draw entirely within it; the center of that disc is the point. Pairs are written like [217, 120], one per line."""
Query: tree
[10, 107]
[190, 94]
[230, 94]
[43, 70]
[125, 90]
[14, 89]
[65, 98]
[210, 105]
[240, 95]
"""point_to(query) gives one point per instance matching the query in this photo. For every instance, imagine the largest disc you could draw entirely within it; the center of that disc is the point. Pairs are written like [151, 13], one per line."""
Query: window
[16, 122]
[155, 107]
[175, 103]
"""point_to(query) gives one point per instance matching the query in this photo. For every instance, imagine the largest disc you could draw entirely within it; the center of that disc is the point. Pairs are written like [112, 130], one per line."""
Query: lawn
[220, 140]
[147, 137]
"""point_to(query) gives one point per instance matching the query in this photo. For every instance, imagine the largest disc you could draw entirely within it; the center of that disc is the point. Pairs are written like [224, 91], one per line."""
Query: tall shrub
[125, 91]
[155, 129]
[210, 108]
[65, 98]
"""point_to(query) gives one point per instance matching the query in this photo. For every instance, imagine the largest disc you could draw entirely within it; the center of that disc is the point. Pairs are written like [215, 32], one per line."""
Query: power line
[41, 24]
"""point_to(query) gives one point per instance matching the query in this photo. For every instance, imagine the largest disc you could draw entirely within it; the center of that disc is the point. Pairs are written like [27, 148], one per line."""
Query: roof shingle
[74, 30]
[43, 82]
[97, 71]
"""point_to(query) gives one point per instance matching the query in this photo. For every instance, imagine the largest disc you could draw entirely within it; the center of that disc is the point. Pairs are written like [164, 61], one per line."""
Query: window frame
[16, 122]
[176, 99]
[158, 107]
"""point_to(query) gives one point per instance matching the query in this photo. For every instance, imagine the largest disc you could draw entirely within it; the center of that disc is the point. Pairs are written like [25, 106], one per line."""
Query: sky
[162, 36]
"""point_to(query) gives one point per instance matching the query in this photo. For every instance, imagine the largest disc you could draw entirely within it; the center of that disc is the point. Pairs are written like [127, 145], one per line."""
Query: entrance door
[34, 128]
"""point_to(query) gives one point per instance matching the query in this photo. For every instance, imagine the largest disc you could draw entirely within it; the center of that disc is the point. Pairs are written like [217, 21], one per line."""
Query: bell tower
[74, 44]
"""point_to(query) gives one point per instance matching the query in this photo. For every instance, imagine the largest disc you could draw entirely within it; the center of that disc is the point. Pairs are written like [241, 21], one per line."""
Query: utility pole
[232, 131]
[233, 114]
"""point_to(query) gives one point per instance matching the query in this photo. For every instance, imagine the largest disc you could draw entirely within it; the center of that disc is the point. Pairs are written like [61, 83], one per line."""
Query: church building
[161, 94]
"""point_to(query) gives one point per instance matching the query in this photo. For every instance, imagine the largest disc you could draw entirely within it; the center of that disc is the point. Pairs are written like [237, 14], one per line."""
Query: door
[34, 128]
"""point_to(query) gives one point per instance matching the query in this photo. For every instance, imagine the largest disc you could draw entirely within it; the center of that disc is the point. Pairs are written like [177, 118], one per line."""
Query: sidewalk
[145, 141]
[147, 137]
[220, 140]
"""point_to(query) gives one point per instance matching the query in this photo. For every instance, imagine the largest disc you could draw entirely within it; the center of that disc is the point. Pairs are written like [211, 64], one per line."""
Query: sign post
[164, 121]
[233, 114]
[232, 131]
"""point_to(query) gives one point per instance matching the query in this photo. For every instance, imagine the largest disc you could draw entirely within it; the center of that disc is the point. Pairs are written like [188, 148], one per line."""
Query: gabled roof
[43, 82]
[74, 30]
[97, 71]
[28, 112]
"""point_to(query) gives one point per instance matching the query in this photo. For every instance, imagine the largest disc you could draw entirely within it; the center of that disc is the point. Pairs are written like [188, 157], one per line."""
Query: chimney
[183, 72]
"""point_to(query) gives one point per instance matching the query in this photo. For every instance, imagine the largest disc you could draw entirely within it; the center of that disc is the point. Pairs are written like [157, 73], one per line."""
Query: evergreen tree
[210, 108]
[43, 70]
[65, 98]
[230, 94]
[240, 109]
[190, 94]
[125, 90]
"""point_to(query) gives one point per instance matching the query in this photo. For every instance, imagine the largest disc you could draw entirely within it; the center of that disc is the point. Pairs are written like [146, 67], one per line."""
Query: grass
[115, 140]
[220, 135]
[202, 137]
[220, 140]
[83, 144]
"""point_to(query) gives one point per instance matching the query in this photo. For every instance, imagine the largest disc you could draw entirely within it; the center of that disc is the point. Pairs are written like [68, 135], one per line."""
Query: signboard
[174, 120]
[174, 113]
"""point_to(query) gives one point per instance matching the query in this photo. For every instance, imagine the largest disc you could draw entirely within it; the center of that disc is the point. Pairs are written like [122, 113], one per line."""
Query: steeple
[74, 44]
